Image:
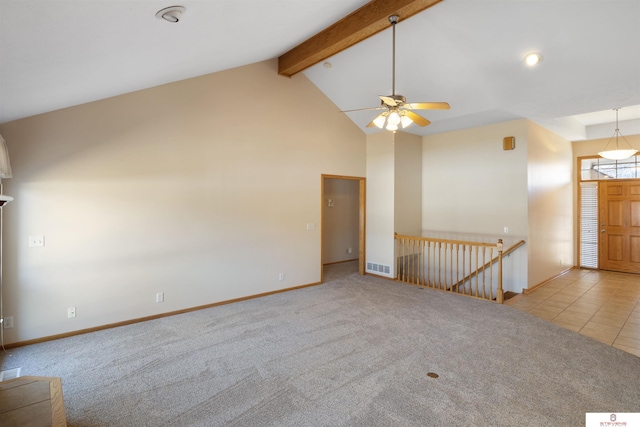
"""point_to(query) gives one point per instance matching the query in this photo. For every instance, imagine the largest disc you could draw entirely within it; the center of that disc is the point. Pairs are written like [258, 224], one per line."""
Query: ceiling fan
[398, 111]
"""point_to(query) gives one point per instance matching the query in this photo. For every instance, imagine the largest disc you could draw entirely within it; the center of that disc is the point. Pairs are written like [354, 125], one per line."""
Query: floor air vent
[380, 268]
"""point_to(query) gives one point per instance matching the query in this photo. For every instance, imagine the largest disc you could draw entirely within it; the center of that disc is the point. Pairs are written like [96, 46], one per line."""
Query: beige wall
[551, 208]
[393, 194]
[201, 189]
[408, 184]
[380, 201]
[340, 220]
[471, 186]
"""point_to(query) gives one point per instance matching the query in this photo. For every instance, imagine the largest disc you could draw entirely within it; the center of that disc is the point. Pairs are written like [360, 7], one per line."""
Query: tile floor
[599, 304]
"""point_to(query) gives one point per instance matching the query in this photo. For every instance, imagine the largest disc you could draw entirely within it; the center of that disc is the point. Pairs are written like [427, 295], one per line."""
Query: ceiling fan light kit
[618, 153]
[379, 121]
[398, 112]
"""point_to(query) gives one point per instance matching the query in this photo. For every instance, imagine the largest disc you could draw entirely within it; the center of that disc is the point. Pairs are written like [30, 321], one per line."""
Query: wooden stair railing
[452, 265]
[490, 263]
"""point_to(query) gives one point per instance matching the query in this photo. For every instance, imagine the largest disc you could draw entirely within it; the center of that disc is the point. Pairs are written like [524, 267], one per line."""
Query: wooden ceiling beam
[370, 19]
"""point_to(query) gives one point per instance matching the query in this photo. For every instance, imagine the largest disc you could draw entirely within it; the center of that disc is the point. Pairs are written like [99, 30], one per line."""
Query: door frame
[362, 228]
[579, 179]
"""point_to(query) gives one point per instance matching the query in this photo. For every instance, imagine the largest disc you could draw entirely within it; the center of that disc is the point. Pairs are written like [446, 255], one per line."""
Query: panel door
[619, 225]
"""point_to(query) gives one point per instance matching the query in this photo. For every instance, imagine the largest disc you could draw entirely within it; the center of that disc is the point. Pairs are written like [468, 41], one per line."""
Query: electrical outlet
[36, 241]
[7, 322]
[350, 250]
[281, 277]
[71, 312]
[160, 297]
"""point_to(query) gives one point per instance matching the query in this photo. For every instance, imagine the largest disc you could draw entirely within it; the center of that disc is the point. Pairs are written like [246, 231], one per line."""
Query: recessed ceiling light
[327, 64]
[171, 14]
[532, 59]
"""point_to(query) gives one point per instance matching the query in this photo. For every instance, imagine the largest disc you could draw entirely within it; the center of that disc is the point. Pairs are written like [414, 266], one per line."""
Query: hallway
[600, 304]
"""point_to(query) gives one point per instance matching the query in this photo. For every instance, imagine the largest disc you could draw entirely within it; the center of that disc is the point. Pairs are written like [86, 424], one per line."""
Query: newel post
[500, 292]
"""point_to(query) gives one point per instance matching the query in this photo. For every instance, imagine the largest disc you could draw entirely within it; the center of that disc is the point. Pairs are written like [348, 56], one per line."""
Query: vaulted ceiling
[60, 53]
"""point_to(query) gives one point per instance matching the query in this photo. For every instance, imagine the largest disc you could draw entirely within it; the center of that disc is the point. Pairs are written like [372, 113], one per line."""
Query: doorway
[619, 221]
[343, 220]
[609, 213]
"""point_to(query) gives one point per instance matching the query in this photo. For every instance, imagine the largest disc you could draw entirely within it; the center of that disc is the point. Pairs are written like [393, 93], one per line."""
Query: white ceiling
[60, 53]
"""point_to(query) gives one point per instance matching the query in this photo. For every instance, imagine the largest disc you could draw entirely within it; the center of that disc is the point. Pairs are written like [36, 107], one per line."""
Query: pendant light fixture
[617, 153]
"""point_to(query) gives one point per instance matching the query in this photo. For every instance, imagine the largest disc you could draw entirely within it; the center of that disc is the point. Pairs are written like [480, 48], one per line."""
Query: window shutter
[589, 224]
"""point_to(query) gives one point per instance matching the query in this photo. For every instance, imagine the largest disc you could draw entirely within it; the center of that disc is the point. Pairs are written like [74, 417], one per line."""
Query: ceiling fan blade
[387, 100]
[417, 119]
[372, 124]
[364, 109]
[428, 106]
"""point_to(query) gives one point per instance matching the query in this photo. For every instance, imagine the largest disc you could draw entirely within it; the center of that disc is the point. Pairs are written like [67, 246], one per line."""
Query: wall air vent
[378, 268]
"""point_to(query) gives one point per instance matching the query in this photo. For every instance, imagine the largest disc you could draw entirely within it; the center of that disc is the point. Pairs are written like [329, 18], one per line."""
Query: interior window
[597, 168]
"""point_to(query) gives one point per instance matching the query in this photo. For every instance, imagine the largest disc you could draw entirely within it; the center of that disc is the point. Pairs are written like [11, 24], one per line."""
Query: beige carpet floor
[355, 351]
